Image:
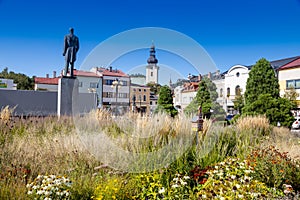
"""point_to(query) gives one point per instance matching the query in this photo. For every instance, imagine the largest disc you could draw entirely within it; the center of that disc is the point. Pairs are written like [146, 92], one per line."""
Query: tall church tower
[152, 68]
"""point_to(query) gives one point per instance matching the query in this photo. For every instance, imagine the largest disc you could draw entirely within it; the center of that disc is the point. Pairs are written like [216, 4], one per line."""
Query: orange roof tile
[85, 73]
[107, 72]
[49, 81]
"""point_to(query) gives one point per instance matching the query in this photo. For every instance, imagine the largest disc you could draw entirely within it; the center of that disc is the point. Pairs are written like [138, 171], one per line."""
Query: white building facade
[7, 84]
[152, 67]
[235, 84]
[115, 89]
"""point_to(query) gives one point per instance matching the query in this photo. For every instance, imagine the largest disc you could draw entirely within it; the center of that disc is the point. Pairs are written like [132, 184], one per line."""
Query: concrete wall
[40, 103]
[87, 102]
[29, 102]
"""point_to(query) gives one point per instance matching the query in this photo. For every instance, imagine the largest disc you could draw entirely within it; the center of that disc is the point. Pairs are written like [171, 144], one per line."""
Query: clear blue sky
[232, 31]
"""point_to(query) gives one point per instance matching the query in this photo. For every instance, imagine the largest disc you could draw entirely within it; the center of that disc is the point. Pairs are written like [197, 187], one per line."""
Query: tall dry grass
[258, 123]
[133, 143]
[285, 141]
[6, 113]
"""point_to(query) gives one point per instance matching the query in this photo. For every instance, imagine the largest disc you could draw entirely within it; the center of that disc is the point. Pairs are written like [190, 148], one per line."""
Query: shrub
[275, 168]
[110, 188]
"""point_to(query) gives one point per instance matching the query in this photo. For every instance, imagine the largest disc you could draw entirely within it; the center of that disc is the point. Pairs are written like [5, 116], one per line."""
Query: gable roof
[276, 64]
[279, 63]
[86, 73]
[293, 64]
[48, 81]
[54, 81]
[111, 72]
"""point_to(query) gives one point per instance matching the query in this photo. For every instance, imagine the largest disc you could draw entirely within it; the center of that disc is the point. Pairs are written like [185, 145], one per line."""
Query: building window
[221, 92]
[237, 90]
[144, 90]
[228, 92]
[108, 82]
[80, 84]
[134, 89]
[93, 85]
[140, 90]
[123, 95]
[145, 98]
[150, 102]
[151, 74]
[293, 84]
[124, 83]
[297, 84]
[108, 94]
[237, 74]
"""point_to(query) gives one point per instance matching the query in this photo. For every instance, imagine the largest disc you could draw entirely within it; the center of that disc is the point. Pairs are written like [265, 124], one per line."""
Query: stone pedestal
[67, 96]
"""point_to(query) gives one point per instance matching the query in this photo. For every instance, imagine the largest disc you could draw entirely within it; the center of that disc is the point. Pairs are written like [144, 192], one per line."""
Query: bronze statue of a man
[71, 46]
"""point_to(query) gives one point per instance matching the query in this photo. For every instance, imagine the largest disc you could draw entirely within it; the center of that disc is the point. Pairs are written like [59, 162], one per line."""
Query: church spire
[152, 59]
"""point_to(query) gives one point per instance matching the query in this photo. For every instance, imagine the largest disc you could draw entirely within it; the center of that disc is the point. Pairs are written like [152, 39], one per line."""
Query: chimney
[54, 74]
[110, 68]
[47, 75]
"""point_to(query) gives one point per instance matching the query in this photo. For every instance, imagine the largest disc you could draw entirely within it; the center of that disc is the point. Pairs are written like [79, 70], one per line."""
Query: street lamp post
[93, 90]
[116, 83]
[133, 105]
[140, 98]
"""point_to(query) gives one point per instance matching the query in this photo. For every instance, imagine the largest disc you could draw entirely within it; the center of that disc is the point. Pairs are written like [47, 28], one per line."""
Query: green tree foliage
[206, 96]
[276, 110]
[212, 88]
[262, 80]
[262, 95]
[239, 103]
[154, 87]
[165, 101]
[202, 99]
[23, 82]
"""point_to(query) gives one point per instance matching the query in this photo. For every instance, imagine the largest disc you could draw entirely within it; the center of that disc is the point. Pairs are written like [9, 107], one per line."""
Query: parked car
[296, 123]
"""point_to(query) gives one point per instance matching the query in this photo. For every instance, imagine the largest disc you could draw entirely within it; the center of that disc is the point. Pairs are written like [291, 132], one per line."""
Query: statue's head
[71, 30]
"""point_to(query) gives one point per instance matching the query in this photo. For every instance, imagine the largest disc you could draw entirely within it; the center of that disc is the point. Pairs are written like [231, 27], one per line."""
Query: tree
[239, 103]
[165, 101]
[276, 110]
[23, 82]
[202, 99]
[262, 80]
[218, 112]
[154, 87]
[262, 95]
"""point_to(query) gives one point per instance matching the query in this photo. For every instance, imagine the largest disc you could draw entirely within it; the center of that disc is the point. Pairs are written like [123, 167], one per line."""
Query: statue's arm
[77, 45]
[65, 46]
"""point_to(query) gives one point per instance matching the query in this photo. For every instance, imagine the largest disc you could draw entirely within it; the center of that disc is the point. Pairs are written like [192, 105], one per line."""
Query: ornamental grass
[248, 160]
